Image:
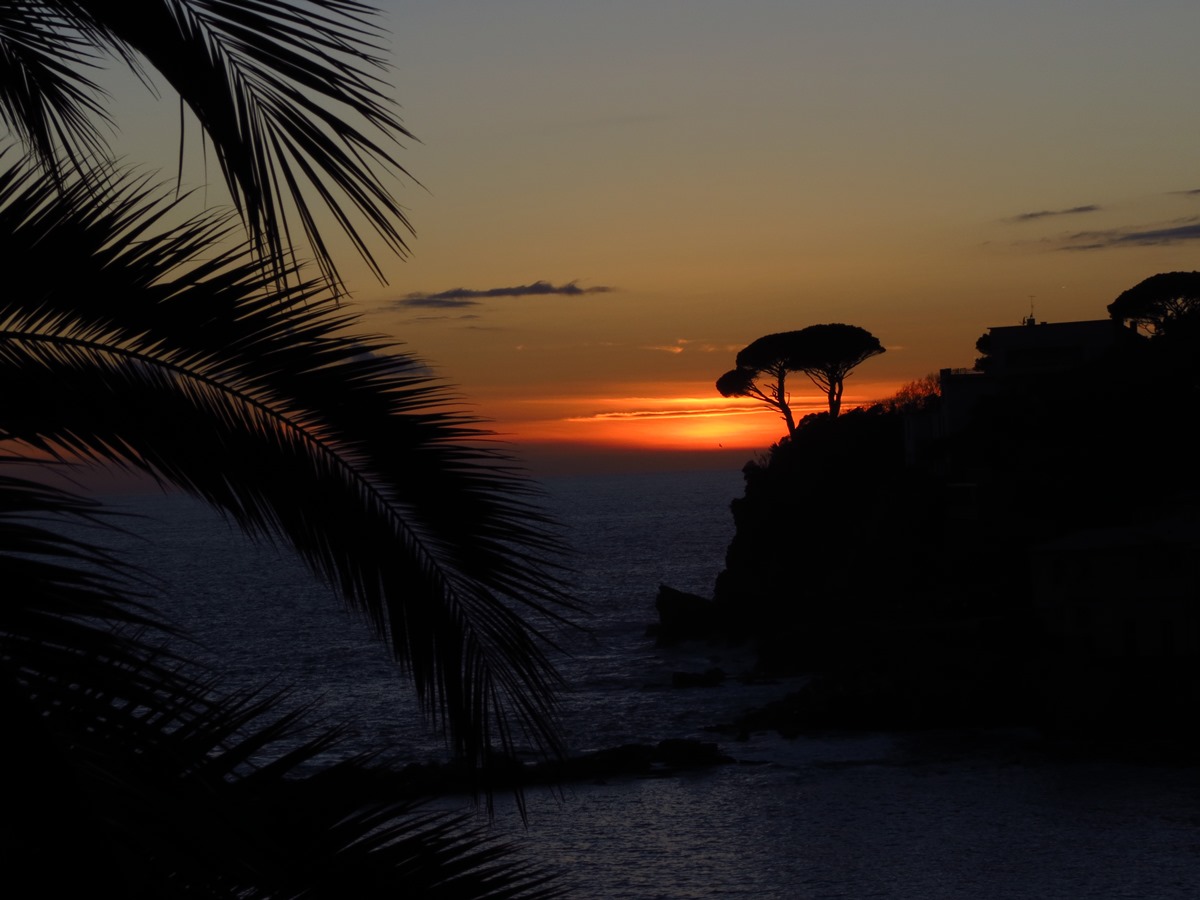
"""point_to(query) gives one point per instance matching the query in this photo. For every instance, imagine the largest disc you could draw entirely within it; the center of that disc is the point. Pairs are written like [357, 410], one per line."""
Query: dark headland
[1016, 544]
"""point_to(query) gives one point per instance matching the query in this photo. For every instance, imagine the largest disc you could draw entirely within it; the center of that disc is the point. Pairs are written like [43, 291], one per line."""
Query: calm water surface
[836, 816]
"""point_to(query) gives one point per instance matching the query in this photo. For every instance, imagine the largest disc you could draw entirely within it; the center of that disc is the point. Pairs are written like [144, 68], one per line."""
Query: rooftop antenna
[1031, 320]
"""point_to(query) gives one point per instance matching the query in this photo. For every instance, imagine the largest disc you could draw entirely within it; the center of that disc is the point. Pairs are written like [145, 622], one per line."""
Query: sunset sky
[692, 175]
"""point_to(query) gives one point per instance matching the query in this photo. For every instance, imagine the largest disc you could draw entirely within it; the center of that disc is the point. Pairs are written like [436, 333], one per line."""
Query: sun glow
[681, 423]
[661, 423]
[657, 422]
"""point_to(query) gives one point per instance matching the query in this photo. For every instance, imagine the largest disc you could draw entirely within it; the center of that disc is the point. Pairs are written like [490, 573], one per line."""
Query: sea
[956, 814]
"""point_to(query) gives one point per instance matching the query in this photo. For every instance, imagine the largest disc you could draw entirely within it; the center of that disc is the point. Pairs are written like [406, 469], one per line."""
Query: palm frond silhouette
[255, 398]
[289, 95]
[196, 351]
[130, 774]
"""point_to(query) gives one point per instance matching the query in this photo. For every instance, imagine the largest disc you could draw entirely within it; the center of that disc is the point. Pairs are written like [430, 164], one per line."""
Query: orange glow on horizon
[660, 423]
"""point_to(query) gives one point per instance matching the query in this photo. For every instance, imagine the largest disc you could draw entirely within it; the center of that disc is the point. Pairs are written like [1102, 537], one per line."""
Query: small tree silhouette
[827, 354]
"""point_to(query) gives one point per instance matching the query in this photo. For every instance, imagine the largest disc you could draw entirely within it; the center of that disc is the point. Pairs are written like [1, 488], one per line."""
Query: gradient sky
[921, 169]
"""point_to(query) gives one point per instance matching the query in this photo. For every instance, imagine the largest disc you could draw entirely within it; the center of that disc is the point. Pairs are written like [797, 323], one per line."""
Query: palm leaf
[46, 97]
[135, 767]
[198, 371]
[275, 85]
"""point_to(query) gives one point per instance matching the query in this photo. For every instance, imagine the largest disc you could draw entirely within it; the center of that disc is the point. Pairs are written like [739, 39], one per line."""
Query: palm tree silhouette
[216, 365]
[288, 94]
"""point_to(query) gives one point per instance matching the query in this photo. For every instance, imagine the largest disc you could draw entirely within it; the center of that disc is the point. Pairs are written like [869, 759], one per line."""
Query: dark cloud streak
[434, 302]
[457, 298]
[1130, 237]
[1045, 213]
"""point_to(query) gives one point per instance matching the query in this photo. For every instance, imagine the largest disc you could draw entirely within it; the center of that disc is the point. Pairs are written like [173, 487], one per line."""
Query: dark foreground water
[839, 815]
